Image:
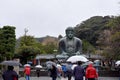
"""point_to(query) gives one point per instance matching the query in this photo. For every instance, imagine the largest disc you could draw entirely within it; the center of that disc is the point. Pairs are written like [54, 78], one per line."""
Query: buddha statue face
[70, 33]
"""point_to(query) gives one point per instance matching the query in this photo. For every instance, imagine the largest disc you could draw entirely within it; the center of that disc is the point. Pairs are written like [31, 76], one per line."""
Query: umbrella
[84, 65]
[76, 58]
[38, 66]
[27, 65]
[95, 61]
[11, 63]
[51, 63]
[61, 56]
[117, 62]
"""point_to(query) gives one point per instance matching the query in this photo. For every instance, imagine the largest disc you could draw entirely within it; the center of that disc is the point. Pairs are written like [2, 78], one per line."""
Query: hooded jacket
[27, 70]
[91, 72]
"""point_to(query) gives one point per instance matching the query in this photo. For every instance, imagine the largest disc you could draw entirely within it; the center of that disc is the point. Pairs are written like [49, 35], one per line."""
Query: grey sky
[52, 17]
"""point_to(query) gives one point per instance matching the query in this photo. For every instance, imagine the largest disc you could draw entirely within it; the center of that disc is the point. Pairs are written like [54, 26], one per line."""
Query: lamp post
[25, 30]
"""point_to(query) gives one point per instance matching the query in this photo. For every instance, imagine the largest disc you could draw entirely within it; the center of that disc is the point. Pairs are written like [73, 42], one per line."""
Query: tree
[49, 48]
[115, 46]
[114, 25]
[91, 29]
[2, 51]
[109, 39]
[87, 47]
[7, 41]
[27, 49]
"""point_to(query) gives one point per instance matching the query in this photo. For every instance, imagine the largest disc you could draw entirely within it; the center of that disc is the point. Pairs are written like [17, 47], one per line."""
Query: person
[27, 72]
[38, 72]
[59, 71]
[53, 72]
[64, 69]
[118, 68]
[91, 73]
[10, 74]
[69, 71]
[70, 45]
[97, 64]
[79, 72]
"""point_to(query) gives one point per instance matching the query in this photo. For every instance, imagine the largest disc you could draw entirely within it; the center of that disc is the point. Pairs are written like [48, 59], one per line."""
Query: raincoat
[91, 72]
[27, 70]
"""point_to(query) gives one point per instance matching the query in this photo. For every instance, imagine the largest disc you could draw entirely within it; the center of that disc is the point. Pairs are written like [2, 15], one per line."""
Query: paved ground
[48, 78]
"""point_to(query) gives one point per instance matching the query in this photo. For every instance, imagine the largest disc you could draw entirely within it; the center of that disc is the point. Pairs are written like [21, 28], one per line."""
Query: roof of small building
[45, 56]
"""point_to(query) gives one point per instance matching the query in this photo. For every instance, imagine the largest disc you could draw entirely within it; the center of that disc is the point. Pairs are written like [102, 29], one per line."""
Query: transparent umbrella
[74, 59]
[11, 63]
[117, 62]
[49, 64]
[38, 67]
[27, 65]
[84, 65]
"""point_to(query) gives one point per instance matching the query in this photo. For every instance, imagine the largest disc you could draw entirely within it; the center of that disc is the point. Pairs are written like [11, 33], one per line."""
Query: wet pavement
[49, 78]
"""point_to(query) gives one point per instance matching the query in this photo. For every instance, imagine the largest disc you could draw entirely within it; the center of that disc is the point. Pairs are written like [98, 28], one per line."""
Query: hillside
[47, 39]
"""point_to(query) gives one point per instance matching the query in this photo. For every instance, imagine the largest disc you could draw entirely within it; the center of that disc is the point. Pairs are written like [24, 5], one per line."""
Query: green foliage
[48, 45]
[116, 44]
[87, 47]
[27, 49]
[49, 48]
[27, 40]
[91, 28]
[114, 23]
[102, 32]
[7, 41]
[113, 49]
[26, 53]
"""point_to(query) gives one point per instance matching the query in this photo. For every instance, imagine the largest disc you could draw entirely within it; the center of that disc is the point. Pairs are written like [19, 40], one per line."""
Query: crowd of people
[57, 71]
[78, 72]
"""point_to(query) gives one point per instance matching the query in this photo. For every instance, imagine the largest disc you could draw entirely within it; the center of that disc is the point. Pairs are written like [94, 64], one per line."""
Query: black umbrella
[11, 63]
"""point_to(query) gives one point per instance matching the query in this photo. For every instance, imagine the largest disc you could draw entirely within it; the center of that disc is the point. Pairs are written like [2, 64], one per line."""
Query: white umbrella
[117, 62]
[38, 66]
[27, 65]
[76, 58]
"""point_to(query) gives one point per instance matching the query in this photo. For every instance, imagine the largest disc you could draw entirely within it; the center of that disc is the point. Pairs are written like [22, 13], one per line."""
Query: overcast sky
[52, 17]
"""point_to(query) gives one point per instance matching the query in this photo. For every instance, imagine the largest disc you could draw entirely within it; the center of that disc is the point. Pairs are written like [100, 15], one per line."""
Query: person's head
[70, 32]
[79, 62]
[10, 67]
[53, 66]
[90, 65]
